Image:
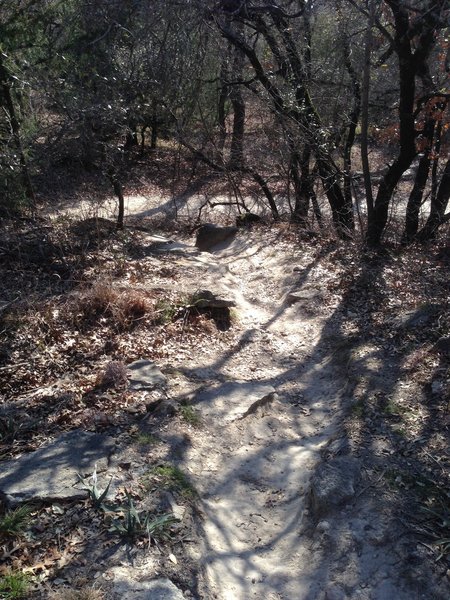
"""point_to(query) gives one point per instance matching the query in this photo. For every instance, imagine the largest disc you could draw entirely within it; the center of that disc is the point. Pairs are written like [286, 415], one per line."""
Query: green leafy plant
[94, 493]
[165, 311]
[13, 584]
[136, 524]
[9, 428]
[85, 593]
[14, 522]
[439, 524]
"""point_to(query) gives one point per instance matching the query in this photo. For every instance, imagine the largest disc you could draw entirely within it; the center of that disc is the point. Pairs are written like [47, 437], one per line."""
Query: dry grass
[121, 309]
[85, 593]
[115, 375]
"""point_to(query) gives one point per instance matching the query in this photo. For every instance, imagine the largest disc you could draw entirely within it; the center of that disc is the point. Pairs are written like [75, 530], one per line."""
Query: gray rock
[305, 295]
[233, 401]
[51, 472]
[417, 318]
[333, 484]
[170, 247]
[154, 589]
[145, 375]
[208, 299]
[209, 235]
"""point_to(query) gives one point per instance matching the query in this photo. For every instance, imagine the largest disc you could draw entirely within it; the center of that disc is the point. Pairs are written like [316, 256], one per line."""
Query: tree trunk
[5, 86]
[438, 208]
[237, 100]
[407, 72]
[341, 211]
[410, 64]
[265, 188]
[302, 186]
[415, 198]
[221, 108]
[365, 112]
[154, 122]
[353, 123]
[118, 190]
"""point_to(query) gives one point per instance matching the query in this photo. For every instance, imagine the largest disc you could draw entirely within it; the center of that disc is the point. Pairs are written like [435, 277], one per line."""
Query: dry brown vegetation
[78, 312]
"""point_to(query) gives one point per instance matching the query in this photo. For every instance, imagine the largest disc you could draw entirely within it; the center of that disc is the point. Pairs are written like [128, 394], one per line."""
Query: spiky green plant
[13, 585]
[14, 522]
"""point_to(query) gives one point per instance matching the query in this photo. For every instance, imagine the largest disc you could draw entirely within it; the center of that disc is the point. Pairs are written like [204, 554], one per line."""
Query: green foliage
[14, 522]
[14, 584]
[190, 415]
[8, 429]
[439, 522]
[97, 497]
[146, 439]
[172, 478]
[165, 311]
[136, 524]
[12, 193]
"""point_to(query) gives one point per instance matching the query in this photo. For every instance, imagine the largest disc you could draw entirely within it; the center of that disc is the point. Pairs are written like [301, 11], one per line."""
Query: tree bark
[353, 123]
[238, 103]
[6, 92]
[342, 213]
[411, 64]
[407, 73]
[118, 190]
[302, 185]
[365, 112]
[438, 207]
[415, 198]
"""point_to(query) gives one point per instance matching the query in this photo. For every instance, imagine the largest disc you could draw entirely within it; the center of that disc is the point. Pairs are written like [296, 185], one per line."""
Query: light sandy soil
[259, 537]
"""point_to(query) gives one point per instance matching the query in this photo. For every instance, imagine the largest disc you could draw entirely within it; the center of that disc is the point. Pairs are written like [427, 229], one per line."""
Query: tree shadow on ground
[360, 358]
[367, 352]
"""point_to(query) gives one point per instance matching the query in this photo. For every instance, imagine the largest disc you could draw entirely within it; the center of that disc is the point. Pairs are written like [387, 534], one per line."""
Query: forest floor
[333, 485]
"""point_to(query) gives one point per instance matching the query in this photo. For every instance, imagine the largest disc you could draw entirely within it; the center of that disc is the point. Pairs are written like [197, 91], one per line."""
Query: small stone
[304, 295]
[145, 375]
[333, 484]
[323, 527]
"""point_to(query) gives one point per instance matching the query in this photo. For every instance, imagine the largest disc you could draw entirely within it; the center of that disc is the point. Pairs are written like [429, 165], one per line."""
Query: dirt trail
[260, 535]
[253, 473]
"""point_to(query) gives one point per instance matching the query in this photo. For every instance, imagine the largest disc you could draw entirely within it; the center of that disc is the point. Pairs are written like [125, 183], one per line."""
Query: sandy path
[253, 473]
[259, 538]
